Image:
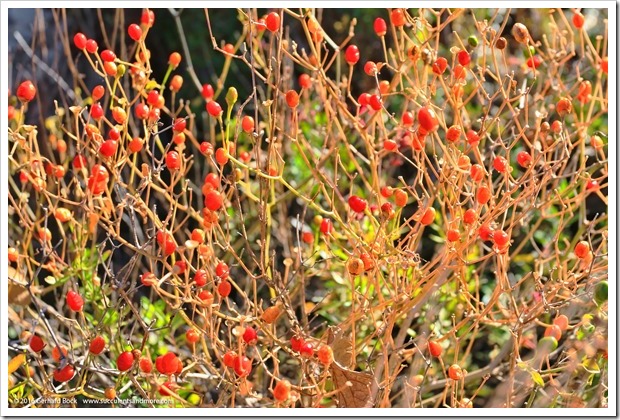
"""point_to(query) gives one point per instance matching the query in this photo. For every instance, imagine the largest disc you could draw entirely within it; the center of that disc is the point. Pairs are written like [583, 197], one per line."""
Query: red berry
[483, 195]
[470, 216]
[453, 133]
[364, 99]
[36, 343]
[220, 156]
[214, 109]
[145, 364]
[534, 62]
[453, 235]
[214, 200]
[472, 137]
[476, 172]
[326, 226]
[74, 301]
[192, 336]
[79, 40]
[167, 364]
[108, 148]
[306, 350]
[352, 54]
[65, 374]
[26, 91]
[407, 119]
[386, 191]
[605, 64]
[387, 211]
[179, 124]
[166, 242]
[435, 348]
[380, 26]
[222, 270]
[357, 204]
[440, 65]
[200, 278]
[375, 102]
[398, 17]
[292, 98]
[370, 68]
[148, 279]
[305, 81]
[501, 238]
[213, 180]
[242, 366]
[135, 32]
[229, 359]
[427, 119]
[582, 249]
[524, 159]
[485, 232]
[173, 161]
[250, 336]
[578, 20]
[307, 237]
[500, 164]
[224, 288]
[207, 91]
[167, 388]
[96, 111]
[147, 18]
[272, 21]
[97, 345]
[114, 134]
[591, 184]
[91, 46]
[296, 343]
[153, 98]
[124, 361]
[247, 124]
[463, 57]
[108, 56]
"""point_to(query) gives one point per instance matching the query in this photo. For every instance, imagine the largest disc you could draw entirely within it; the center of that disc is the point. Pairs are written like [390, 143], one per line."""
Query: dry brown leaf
[18, 294]
[352, 388]
[341, 345]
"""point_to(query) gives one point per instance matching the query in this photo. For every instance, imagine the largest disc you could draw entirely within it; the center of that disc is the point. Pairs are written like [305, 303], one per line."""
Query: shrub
[295, 231]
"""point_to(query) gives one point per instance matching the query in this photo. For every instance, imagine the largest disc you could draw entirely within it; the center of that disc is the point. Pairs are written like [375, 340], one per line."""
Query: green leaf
[590, 365]
[537, 378]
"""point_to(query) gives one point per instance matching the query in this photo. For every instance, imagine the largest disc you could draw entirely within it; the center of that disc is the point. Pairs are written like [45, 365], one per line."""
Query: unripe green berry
[231, 96]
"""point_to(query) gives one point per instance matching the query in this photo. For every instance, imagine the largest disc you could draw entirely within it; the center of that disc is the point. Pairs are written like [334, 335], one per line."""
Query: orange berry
[455, 372]
[56, 353]
[355, 266]
[428, 216]
[553, 331]
[581, 249]
[282, 390]
[325, 355]
[435, 348]
[561, 321]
